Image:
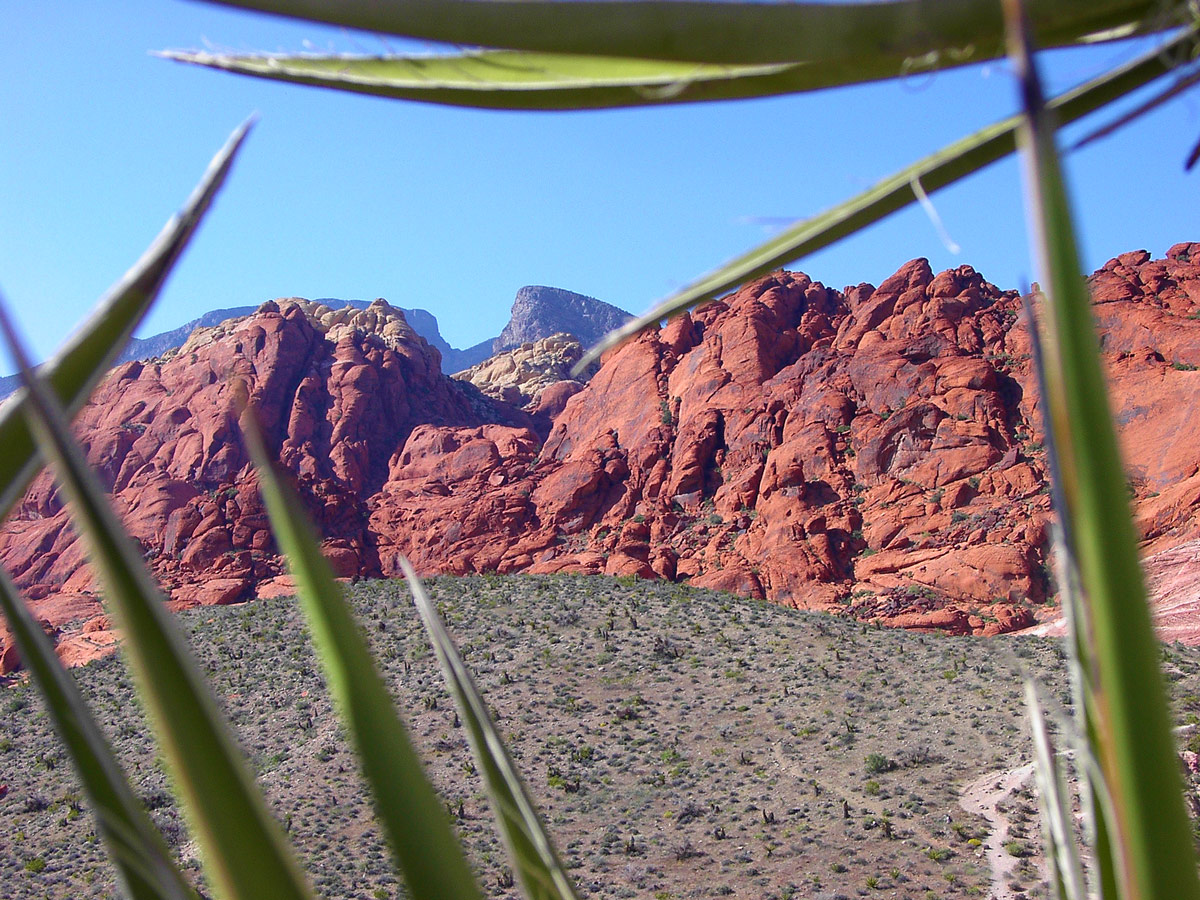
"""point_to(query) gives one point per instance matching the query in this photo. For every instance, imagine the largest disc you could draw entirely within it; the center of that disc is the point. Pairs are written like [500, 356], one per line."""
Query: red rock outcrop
[336, 391]
[875, 451]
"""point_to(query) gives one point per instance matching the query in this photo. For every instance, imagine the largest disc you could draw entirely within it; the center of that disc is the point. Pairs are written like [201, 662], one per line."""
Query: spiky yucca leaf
[82, 361]
[1146, 826]
[948, 165]
[515, 80]
[1058, 832]
[413, 817]
[243, 849]
[734, 33]
[540, 871]
[143, 862]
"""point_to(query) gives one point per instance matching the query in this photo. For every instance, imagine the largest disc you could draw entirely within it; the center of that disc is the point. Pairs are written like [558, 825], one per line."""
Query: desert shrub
[877, 763]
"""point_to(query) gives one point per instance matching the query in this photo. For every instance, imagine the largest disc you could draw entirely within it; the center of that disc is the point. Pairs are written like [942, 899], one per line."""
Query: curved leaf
[244, 851]
[538, 867]
[85, 356]
[732, 33]
[505, 79]
[1150, 832]
[415, 820]
[946, 166]
[141, 857]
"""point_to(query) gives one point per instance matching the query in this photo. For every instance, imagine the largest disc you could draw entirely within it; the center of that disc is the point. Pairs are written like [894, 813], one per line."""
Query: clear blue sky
[453, 210]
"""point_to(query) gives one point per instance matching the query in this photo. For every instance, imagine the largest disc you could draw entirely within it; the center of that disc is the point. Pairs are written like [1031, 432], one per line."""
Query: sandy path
[981, 797]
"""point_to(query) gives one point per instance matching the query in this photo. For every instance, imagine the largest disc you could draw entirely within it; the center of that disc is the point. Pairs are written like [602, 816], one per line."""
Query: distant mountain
[540, 311]
[455, 361]
[537, 312]
[422, 321]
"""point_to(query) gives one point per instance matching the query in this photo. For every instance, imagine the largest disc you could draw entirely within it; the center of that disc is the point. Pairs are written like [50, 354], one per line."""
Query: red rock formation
[875, 451]
[337, 392]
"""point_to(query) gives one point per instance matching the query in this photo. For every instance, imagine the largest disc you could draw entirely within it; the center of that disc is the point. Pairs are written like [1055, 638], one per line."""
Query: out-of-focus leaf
[1062, 851]
[503, 79]
[76, 368]
[1149, 828]
[243, 849]
[946, 166]
[735, 33]
[136, 847]
[412, 815]
[534, 858]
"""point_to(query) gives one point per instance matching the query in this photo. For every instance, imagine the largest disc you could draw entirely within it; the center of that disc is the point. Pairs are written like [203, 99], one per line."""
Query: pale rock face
[519, 376]
[538, 311]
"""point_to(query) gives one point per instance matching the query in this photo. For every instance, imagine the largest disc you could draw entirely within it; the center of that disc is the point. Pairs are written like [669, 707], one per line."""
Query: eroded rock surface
[522, 375]
[336, 392]
[876, 451]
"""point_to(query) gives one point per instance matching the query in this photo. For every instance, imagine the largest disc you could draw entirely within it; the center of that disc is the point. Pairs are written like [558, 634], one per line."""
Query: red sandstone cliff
[876, 451]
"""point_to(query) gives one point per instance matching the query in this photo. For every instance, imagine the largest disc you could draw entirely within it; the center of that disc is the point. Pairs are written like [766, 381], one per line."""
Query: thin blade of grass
[948, 165]
[534, 858]
[732, 33]
[84, 358]
[1150, 832]
[1062, 851]
[243, 849]
[415, 820]
[1093, 797]
[143, 862]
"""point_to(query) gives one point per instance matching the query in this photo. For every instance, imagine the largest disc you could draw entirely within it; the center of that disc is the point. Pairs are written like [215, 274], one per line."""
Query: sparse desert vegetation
[681, 743]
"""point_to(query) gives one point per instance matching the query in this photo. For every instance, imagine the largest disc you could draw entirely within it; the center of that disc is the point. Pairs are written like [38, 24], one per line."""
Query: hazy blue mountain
[537, 312]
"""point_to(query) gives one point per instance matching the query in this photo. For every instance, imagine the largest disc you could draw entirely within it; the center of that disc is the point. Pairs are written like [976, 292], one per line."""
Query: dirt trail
[982, 797]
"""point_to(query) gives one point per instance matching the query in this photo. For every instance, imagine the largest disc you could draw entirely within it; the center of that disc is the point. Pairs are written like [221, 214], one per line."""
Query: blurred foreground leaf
[87, 355]
[244, 851]
[538, 867]
[143, 862]
[412, 815]
[1151, 839]
[735, 33]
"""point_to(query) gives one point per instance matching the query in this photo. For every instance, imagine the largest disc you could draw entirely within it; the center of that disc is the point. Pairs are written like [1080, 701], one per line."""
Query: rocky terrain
[875, 451]
[520, 376]
[539, 312]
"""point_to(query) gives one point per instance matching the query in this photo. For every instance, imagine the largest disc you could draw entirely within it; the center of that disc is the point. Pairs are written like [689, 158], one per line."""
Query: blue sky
[453, 210]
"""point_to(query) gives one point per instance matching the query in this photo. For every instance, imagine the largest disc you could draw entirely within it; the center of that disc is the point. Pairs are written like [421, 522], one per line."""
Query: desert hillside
[681, 743]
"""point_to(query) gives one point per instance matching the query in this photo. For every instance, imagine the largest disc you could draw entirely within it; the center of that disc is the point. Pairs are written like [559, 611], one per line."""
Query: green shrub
[877, 763]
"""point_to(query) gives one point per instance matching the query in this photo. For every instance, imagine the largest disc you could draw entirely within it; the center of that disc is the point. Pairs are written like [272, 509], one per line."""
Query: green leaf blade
[510, 80]
[416, 823]
[535, 860]
[143, 862]
[938, 170]
[1150, 832]
[732, 33]
[243, 848]
[82, 361]
[1062, 852]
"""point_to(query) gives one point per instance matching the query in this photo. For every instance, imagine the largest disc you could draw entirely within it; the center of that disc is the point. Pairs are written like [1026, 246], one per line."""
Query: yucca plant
[550, 55]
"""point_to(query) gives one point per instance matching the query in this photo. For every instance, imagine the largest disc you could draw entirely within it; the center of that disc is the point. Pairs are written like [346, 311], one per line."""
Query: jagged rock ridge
[875, 451]
[539, 311]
